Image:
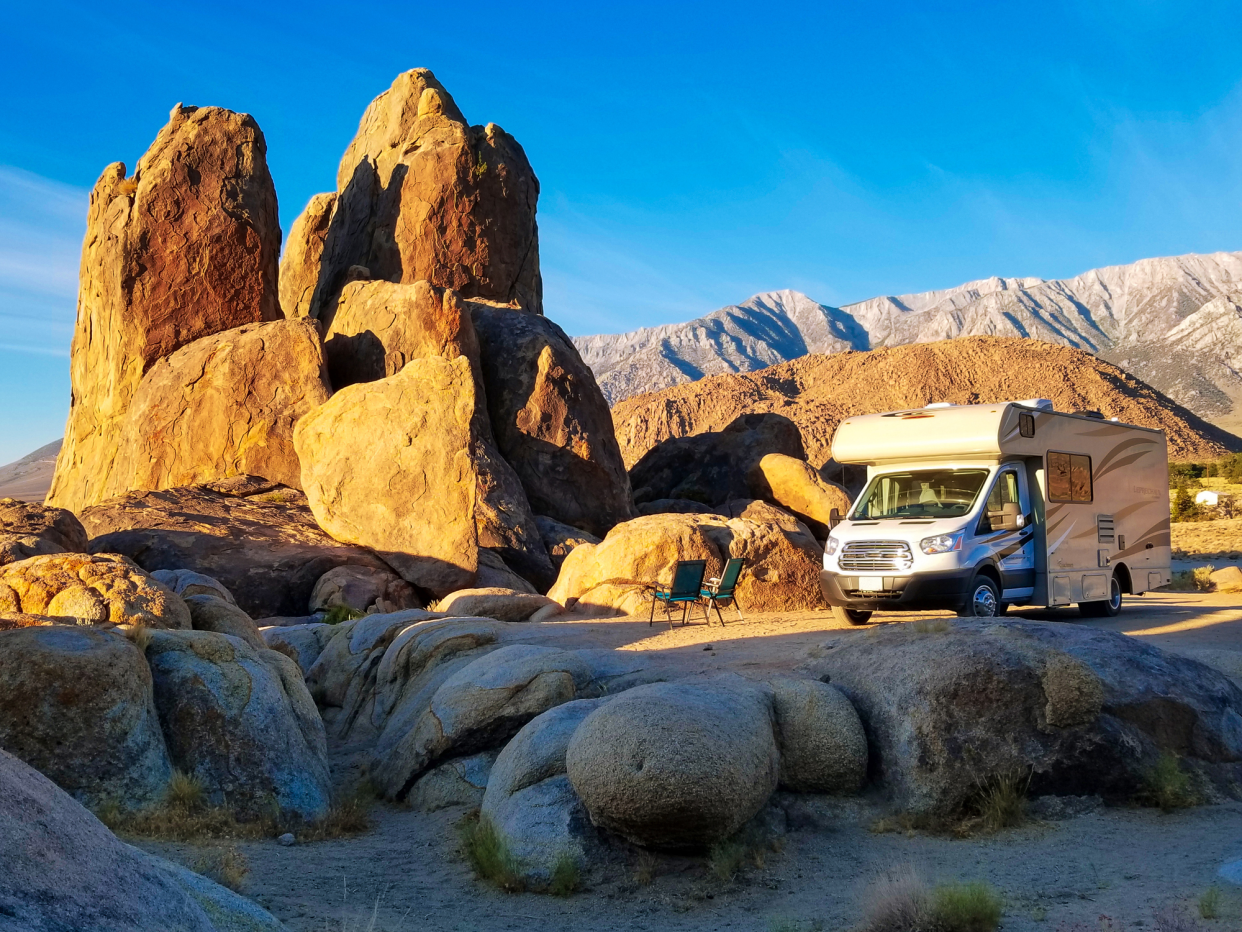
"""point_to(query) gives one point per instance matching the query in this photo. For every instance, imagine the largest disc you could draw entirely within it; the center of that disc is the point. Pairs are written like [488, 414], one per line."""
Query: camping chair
[721, 590]
[687, 582]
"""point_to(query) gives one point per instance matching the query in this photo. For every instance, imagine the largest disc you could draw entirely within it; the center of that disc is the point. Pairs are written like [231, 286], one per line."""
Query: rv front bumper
[910, 593]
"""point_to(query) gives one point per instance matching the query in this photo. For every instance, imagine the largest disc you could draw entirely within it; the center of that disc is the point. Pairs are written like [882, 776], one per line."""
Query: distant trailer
[974, 508]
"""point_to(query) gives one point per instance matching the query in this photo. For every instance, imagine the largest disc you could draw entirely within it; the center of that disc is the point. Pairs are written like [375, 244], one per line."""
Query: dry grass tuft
[1167, 786]
[488, 854]
[339, 613]
[226, 866]
[1209, 903]
[646, 868]
[1001, 802]
[725, 859]
[566, 875]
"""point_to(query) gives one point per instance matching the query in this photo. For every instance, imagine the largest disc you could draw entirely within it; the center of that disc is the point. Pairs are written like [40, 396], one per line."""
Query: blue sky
[690, 155]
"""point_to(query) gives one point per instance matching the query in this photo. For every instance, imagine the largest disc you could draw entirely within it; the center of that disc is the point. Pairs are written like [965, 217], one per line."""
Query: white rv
[974, 508]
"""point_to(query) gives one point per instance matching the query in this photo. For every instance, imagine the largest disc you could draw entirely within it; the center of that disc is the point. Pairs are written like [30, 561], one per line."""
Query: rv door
[1007, 526]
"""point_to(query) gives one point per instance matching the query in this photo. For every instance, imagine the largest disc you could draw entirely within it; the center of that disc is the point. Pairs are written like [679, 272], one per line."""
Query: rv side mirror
[834, 518]
[1010, 518]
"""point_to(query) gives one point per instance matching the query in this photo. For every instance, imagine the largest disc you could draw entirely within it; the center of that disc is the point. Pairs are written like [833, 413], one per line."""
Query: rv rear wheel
[853, 616]
[1105, 608]
[984, 600]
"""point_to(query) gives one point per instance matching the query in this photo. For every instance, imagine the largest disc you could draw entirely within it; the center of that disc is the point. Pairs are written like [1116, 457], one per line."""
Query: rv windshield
[921, 493]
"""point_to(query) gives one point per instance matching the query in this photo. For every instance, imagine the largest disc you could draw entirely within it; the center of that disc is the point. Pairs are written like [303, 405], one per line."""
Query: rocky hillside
[1175, 322]
[818, 391]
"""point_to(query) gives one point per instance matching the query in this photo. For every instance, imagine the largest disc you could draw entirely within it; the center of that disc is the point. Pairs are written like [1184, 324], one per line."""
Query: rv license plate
[870, 583]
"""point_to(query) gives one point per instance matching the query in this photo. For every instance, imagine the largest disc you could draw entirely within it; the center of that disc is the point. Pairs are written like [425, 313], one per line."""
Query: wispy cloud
[42, 223]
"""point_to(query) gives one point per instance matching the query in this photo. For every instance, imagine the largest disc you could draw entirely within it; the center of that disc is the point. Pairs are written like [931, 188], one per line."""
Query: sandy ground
[1122, 864]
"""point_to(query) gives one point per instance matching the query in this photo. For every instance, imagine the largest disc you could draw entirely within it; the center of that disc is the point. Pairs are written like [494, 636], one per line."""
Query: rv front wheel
[1105, 608]
[852, 616]
[984, 601]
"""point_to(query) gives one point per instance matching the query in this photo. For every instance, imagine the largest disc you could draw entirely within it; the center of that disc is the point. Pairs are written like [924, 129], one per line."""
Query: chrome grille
[874, 556]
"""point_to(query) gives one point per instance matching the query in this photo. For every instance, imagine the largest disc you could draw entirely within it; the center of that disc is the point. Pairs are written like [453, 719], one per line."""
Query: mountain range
[1176, 323]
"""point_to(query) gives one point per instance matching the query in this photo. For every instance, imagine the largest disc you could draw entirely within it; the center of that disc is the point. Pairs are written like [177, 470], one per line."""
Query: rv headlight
[831, 545]
[941, 543]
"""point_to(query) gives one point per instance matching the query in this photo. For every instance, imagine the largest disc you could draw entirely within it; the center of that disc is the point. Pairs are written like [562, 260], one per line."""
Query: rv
[974, 508]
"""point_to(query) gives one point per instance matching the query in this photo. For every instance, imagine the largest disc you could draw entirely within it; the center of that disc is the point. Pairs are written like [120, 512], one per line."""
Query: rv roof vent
[941, 404]
[1043, 404]
[1095, 414]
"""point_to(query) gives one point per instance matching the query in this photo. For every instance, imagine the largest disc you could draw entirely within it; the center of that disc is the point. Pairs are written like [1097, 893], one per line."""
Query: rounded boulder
[823, 745]
[677, 765]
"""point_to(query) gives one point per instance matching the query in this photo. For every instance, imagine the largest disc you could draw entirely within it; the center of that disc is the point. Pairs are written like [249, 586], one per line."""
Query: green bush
[1167, 786]
[487, 851]
[566, 876]
[966, 907]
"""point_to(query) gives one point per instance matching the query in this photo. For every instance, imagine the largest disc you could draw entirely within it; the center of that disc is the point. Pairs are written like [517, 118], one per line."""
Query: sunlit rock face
[186, 247]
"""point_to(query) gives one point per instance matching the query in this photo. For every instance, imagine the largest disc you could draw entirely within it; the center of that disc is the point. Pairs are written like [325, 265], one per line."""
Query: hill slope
[29, 478]
[1174, 322]
[818, 391]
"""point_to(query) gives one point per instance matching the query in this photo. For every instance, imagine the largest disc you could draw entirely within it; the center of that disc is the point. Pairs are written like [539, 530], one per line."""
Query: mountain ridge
[1176, 322]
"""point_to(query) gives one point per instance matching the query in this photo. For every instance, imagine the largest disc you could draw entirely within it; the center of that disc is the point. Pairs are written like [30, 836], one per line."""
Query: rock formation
[796, 486]
[713, 467]
[781, 571]
[61, 869]
[78, 707]
[257, 538]
[421, 196]
[92, 589]
[30, 530]
[818, 392]
[223, 406]
[185, 248]
[550, 420]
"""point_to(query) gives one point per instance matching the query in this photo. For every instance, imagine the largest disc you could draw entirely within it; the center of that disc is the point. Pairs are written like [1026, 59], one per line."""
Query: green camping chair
[687, 582]
[721, 590]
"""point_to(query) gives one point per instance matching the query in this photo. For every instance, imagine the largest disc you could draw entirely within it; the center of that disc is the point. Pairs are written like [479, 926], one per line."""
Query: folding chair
[687, 582]
[721, 590]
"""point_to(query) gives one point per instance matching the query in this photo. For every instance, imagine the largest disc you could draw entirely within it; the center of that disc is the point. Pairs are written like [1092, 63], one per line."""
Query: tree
[1184, 507]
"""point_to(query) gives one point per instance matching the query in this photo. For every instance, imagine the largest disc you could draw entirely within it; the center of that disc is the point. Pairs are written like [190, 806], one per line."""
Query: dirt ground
[1118, 863]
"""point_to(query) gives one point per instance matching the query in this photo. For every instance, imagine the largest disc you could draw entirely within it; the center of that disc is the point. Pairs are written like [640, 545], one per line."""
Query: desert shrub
[898, 901]
[1174, 920]
[966, 907]
[725, 858]
[126, 186]
[339, 613]
[185, 791]
[350, 814]
[1209, 903]
[1167, 786]
[1203, 577]
[1001, 802]
[487, 851]
[226, 866]
[566, 875]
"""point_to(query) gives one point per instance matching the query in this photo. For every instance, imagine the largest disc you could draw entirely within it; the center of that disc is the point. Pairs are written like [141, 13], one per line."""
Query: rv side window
[1069, 477]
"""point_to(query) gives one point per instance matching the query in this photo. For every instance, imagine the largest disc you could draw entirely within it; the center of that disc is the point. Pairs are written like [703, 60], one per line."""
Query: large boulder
[78, 707]
[187, 583]
[714, 467]
[677, 765]
[432, 491]
[258, 539]
[223, 406]
[781, 571]
[458, 782]
[185, 248]
[61, 870]
[362, 588]
[482, 705]
[501, 604]
[412, 497]
[30, 530]
[1081, 711]
[100, 588]
[559, 539]
[795, 485]
[212, 613]
[421, 196]
[242, 721]
[530, 801]
[823, 745]
[550, 419]
[379, 326]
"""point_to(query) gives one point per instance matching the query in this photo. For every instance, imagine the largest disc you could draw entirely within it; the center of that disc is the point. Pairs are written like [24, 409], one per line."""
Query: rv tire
[853, 616]
[1105, 608]
[983, 599]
